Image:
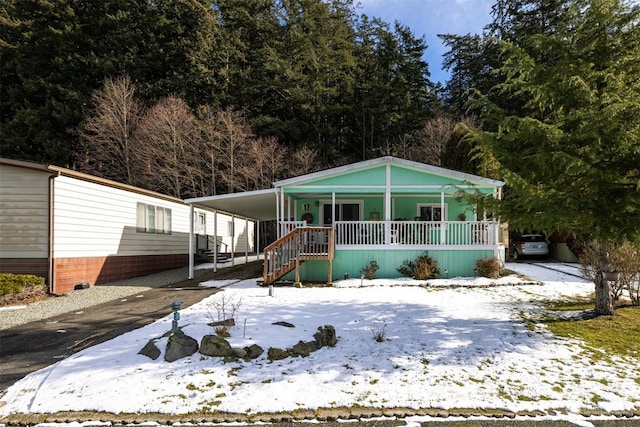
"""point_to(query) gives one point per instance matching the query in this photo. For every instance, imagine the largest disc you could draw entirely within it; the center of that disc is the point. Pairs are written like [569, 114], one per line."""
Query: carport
[259, 205]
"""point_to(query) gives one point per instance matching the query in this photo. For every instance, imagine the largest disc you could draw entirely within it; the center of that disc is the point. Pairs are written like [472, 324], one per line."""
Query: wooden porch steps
[300, 244]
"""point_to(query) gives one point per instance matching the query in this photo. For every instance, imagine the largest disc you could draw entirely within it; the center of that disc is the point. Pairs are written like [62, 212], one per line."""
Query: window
[431, 212]
[153, 219]
[344, 211]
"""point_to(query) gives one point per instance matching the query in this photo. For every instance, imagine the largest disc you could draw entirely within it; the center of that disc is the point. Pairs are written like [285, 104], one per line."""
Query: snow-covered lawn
[455, 343]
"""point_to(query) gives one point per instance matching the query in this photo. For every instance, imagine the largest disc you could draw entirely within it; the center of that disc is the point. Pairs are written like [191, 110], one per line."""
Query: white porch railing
[416, 233]
[287, 226]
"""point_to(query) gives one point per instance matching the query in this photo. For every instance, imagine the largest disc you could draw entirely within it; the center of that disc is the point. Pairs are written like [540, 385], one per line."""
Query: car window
[533, 238]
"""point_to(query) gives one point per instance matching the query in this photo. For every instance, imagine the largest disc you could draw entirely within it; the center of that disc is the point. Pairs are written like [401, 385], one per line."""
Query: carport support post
[215, 243]
[191, 254]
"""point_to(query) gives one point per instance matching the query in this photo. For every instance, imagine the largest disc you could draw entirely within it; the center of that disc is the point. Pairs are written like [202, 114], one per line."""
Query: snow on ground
[457, 343]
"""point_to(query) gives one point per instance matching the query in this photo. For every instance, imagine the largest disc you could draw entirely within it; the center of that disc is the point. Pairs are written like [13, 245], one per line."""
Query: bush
[16, 283]
[424, 267]
[489, 267]
[369, 271]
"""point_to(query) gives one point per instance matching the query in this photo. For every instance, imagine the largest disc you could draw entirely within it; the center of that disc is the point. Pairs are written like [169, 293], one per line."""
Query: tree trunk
[604, 304]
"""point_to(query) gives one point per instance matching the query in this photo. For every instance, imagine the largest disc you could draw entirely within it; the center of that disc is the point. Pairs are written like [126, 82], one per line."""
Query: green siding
[404, 176]
[369, 177]
[458, 263]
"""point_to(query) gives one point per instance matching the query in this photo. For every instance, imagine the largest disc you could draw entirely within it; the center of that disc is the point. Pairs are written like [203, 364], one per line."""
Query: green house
[388, 210]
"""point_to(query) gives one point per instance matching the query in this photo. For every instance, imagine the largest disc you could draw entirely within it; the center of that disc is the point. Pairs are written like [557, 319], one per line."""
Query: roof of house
[368, 164]
[261, 204]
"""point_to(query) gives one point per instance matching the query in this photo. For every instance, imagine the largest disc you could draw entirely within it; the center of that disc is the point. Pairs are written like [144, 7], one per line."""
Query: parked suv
[533, 245]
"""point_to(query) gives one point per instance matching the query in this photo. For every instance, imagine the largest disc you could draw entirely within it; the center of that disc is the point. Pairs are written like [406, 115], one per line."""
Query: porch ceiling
[259, 205]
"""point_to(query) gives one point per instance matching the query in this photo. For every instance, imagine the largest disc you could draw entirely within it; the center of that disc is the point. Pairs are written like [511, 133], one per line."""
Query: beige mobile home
[74, 228]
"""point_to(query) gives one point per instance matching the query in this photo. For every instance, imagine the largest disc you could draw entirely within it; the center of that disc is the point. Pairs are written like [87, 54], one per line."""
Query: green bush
[424, 267]
[489, 267]
[369, 271]
[15, 283]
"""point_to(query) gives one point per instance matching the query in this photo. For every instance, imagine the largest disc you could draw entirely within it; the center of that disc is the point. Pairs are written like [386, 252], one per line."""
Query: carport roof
[259, 204]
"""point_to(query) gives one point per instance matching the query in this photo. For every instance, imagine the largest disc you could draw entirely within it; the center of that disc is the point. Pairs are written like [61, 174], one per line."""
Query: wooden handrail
[300, 244]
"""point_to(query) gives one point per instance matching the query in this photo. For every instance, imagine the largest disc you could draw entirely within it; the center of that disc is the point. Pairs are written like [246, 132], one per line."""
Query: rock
[253, 351]
[213, 345]
[285, 324]
[277, 354]
[150, 350]
[226, 322]
[303, 348]
[326, 336]
[240, 353]
[180, 345]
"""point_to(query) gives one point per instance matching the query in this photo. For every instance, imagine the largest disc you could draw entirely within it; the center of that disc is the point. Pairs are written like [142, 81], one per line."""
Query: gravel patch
[79, 300]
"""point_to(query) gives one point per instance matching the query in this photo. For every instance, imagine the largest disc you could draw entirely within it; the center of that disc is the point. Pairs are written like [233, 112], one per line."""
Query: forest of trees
[200, 97]
[228, 95]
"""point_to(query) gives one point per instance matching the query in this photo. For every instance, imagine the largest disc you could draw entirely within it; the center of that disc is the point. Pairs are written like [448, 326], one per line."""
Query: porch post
[387, 206]
[277, 216]
[333, 209]
[191, 251]
[288, 208]
[442, 219]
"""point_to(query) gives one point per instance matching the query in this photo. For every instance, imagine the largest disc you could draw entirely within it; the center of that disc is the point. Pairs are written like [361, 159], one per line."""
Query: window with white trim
[431, 212]
[153, 219]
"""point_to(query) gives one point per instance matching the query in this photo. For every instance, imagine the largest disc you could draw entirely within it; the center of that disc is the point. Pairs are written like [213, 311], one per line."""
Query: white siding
[96, 220]
[24, 212]
[222, 230]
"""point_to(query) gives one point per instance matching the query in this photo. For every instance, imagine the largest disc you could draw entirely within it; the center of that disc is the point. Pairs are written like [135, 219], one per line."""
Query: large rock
[213, 345]
[150, 350]
[303, 348]
[275, 353]
[180, 345]
[326, 336]
[253, 352]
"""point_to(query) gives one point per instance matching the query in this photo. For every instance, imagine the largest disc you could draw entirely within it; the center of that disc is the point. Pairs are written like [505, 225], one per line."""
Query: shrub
[489, 267]
[424, 267]
[16, 283]
[369, 271]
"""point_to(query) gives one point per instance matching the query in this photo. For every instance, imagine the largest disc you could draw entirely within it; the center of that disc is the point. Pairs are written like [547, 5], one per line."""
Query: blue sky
[429, 18]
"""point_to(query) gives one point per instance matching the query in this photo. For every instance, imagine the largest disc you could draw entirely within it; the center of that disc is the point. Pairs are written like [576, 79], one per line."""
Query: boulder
[253, 352]
[303, 348]
[180, 345]
[226, 322]
[277, 354]
[326, 336]
[150, 350]
[213, 345]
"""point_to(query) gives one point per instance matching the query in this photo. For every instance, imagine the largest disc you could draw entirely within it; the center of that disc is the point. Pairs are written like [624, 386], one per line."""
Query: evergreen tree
[570, 155]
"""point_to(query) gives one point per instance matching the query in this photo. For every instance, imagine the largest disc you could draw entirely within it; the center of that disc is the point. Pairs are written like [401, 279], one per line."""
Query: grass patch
[612, 335]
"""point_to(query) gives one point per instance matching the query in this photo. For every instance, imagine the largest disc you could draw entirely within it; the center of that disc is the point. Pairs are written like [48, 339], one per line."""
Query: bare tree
[431, 141]
[595, 262]
[172, 141]
[262, 163]
[228, 133]
[301, 161]
[107, 147]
